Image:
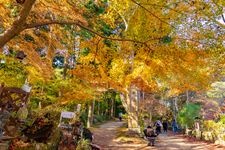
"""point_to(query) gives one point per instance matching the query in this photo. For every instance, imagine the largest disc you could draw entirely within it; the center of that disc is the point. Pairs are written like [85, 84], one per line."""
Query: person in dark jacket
[165, 126]
[150, 134]
[87, 134]
[174, 126]
[158, 126]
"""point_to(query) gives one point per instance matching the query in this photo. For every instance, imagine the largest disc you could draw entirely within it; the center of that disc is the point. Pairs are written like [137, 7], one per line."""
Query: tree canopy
[157, 44]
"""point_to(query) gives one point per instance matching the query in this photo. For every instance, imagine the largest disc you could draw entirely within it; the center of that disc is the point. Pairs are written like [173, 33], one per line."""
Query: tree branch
[219, 7]
[223, 18]
[81, 25]
[18, 24]
[162, 6]
[152, 13]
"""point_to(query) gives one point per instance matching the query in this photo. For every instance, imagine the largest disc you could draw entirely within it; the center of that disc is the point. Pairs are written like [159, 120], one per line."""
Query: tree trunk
[98, 108]
[187, 95]
[89, 116]
[131, 106]
[108, 108]
[65, 70]
[92, 111]
[175, 107]
[112, 108]
[77, 110]
[138, 98]
[150, 117]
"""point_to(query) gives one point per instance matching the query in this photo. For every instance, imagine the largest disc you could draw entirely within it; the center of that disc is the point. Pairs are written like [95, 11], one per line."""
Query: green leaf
[166, 39]
[28, 38]
[85, 51]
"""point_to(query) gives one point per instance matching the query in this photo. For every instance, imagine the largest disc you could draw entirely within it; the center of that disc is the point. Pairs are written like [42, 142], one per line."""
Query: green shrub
[83, 117]
[186, 116]
[83, 145]
[222, 119]
[214, 129]
[99, 118]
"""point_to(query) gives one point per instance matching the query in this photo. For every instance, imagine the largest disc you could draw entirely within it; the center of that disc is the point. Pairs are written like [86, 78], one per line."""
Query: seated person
[150, 135]
[87, 134]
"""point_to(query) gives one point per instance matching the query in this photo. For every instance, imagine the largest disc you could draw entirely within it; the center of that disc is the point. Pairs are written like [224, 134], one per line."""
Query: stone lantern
[197, 123]
[197, 130]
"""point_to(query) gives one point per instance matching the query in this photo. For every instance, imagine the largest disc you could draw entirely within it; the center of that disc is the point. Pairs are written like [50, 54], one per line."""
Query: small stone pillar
[197, 128]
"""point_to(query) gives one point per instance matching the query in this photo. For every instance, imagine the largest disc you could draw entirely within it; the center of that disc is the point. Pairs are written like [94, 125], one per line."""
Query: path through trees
[109, 137]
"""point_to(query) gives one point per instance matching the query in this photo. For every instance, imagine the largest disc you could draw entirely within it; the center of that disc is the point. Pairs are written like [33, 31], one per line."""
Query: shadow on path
[106, 136]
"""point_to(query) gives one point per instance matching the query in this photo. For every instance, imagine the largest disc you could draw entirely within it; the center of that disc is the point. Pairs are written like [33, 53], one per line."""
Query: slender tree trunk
[187, 95]
[101, 109]
[89, 116]
[92, 111]
[98, 108]
[150, 116]
[175, 108]
[64, 71]
[137, 101]
[114, 112]
[108, 109]
[187, 102]
[112, 108]
[65, 68]
[77, 111]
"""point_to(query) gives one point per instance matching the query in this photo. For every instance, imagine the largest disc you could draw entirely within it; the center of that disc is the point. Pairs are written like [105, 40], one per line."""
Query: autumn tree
[130, 43]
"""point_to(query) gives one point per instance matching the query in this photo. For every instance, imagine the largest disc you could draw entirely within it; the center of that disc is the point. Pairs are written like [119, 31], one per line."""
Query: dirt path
[108, 136]
[105, 134]
[178, 142]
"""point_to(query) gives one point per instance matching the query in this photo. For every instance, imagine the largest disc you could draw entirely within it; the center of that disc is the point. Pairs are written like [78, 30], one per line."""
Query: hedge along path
[113, 136]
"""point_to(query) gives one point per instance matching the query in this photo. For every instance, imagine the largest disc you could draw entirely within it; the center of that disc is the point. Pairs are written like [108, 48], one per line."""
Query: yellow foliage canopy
[147, 43]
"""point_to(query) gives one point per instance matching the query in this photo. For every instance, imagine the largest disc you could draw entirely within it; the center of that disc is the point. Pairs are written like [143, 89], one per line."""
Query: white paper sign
[67, 114]
[26, 88]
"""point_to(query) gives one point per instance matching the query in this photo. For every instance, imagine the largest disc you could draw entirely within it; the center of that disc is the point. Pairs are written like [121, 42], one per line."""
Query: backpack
[157, 124]
[149, 133]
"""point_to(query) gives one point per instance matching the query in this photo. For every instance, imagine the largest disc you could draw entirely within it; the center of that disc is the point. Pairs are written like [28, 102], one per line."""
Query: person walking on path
[174, 126]
[158, 126]
[150, 134]
[110, 136]
[120, 116]
[165, 126]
